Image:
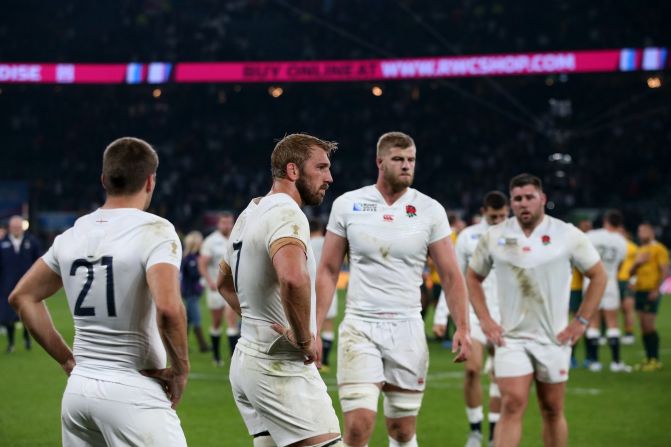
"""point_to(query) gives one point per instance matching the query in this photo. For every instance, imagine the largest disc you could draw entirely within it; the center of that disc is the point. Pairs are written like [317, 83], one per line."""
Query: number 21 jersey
[103, 260]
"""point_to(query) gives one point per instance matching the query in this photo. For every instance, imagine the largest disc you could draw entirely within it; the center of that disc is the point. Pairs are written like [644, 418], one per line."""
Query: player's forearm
[477, 297]
[593, 294]
[457, 298]
[327, 281]
[295, 296]
[172, 326]
[37, 320]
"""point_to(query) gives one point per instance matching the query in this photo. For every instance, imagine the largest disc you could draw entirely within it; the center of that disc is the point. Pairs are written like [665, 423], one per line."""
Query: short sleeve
[287, 221]
[51, 259]
[163, 247]
[481, 262]
[337, 219]
[440, 225]
[583, 254]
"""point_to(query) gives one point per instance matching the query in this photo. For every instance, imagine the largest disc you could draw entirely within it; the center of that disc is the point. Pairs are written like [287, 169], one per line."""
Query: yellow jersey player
[651, 267]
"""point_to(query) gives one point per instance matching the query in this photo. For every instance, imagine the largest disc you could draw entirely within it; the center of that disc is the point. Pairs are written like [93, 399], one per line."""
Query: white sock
[395, 443]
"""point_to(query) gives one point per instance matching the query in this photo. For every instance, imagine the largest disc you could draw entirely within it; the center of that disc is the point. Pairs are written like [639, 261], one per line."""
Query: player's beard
[309, 196]
[398, 183]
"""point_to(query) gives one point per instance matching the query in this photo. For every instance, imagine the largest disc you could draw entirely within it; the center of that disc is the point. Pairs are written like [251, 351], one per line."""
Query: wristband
[582, 320]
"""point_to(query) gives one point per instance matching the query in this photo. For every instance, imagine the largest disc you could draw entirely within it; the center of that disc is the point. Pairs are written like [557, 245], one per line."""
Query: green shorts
[643, 304]
[575, 301]
[624, 289]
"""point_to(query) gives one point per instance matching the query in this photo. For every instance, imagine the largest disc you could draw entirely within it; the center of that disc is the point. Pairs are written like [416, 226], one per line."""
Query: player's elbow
[170, 312]
[295, 280]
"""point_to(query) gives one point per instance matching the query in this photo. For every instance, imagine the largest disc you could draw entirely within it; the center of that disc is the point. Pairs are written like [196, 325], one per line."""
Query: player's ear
[102, 180]
[292, 171]
[544, 198]
[151, 183]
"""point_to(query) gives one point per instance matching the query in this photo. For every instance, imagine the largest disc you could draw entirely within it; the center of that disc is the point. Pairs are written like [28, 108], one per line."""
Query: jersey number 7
[237, 246]
[81, 311]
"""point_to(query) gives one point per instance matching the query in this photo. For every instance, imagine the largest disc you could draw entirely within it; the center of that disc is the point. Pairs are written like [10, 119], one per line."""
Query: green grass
[603, 409]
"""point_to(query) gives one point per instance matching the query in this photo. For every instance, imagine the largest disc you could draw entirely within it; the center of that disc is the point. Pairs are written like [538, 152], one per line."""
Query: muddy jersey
[103, 260]
[533, 274]
[249, 256]
[388, 246]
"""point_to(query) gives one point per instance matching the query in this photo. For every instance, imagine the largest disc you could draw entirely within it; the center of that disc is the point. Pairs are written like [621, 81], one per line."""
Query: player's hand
[213, 286]
[572, 333]
[461, 345]
[172, 382]
[653, 295]
[439, 330]
[641, 258]
[493, 331]
[68, 366]
[309, 349]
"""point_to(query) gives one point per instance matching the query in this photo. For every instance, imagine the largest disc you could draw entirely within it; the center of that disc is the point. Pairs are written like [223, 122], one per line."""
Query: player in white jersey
[532, 254]
[612, 248]
[211, 254]
[494, 210]
[387, 229]
[120, 269]
[267, 275]
[327, 332]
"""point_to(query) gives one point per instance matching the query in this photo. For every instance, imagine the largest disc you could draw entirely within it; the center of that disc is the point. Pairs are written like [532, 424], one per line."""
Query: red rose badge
[410, 210]
[545, 239]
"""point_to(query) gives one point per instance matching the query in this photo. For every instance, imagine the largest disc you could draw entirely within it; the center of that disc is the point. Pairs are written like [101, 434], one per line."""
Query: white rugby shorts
[384, 351]
[610, 300]
[548, 362]
[215, 300]
[283, 397]
[102, 413]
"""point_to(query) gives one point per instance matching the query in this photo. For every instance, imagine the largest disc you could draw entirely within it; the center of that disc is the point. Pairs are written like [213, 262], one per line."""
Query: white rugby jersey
[214, 246]
[465, 247]
[533, 274]
[275, 217]
[388, 247]
[612, 248]
[102, 261]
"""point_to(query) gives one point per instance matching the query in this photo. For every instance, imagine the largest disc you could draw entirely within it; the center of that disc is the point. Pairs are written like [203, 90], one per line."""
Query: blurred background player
[612, 248]
[494, 210]
[626, 288]
[651, 267]
[387, 229]
[532, 254]
[192, 288]
[211, 253]
[119, 266]
[328, 328]
[18, 251]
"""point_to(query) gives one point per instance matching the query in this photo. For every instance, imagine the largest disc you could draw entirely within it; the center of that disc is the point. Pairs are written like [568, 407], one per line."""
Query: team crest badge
[545, 239]
[411, 211]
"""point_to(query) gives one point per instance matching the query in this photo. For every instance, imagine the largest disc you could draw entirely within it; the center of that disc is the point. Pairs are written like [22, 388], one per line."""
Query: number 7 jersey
[103, 260]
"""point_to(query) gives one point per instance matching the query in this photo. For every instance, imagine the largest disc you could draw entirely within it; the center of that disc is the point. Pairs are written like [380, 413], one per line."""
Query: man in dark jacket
[18, 251]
